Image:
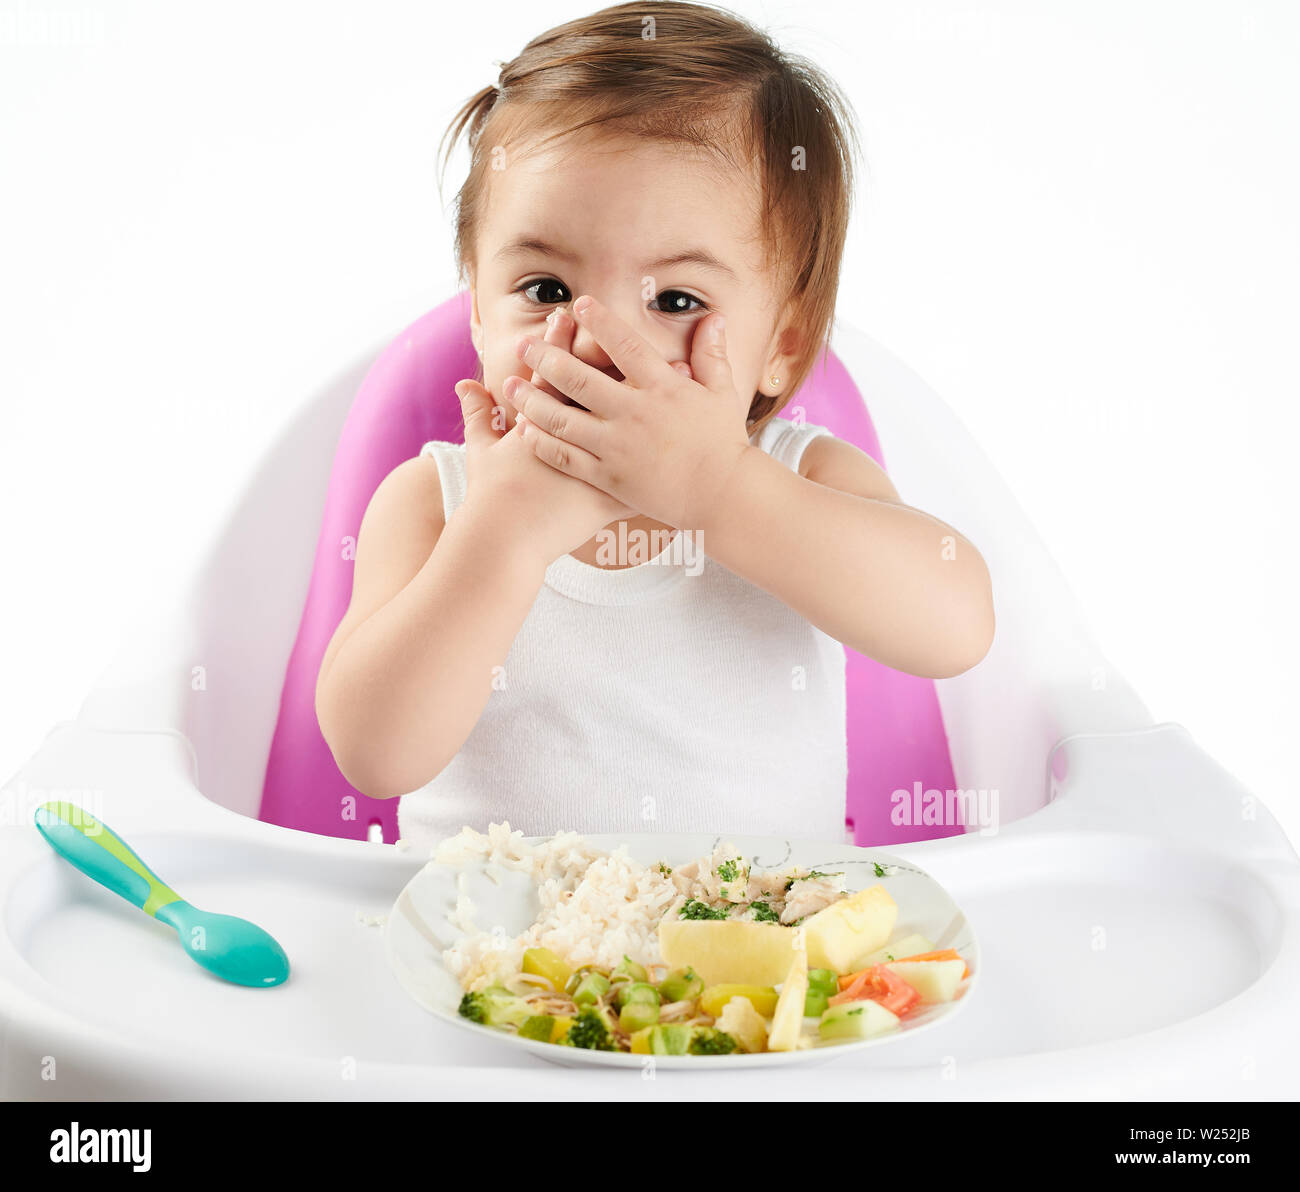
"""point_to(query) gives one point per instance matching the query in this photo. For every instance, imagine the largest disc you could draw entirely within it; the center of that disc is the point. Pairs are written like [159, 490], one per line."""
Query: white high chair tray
[1137, 938]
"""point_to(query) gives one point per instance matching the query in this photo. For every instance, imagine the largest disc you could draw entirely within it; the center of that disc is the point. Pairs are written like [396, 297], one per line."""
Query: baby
[621, 604]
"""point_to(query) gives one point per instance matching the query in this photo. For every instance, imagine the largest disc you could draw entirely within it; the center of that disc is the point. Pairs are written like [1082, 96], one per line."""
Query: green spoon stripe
[80, 820]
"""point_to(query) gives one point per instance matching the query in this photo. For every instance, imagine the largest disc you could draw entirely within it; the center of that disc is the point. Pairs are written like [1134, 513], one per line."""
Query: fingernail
[719, 326]
[521, 348]
[460, 393]
[582, 305]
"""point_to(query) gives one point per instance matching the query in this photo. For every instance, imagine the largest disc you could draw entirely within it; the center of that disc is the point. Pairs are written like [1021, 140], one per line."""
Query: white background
[1078, 223]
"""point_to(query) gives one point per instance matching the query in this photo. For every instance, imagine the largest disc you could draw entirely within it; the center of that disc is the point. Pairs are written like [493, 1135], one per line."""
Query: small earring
[775, 382]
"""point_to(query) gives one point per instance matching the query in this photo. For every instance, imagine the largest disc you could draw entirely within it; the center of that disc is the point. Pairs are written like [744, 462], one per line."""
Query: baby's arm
[836, 543]
[437, 604]
[435, 607]
[833, 541]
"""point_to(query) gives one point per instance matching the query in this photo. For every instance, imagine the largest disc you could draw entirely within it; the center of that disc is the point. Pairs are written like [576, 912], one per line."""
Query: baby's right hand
[507, 485]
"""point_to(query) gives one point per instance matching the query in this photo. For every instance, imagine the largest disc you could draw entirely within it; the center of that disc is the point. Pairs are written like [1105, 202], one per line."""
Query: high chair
[896, 734]
[1137, 908]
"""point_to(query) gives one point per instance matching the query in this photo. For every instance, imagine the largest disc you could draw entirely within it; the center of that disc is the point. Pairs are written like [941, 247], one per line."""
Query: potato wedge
[787, 1022]
[842, 934]
[727, 953]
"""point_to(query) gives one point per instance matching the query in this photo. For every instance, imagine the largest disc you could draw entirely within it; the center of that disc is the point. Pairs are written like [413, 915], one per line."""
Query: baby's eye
[550, 291]
[674, 302]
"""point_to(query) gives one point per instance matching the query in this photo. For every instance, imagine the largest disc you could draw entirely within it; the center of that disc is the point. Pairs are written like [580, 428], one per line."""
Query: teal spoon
[235, 949]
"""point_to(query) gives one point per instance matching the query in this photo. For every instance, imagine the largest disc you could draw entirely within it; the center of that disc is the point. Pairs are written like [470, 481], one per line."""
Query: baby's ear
[787, 344]
[790, 342]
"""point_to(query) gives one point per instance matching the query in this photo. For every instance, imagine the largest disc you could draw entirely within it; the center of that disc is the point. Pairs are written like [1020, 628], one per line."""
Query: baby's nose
[586, 349]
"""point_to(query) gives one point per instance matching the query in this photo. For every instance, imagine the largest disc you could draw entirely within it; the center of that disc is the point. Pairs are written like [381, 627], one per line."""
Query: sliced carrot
[852, 988]
[945, 954]
[881, 985]
[897, 995]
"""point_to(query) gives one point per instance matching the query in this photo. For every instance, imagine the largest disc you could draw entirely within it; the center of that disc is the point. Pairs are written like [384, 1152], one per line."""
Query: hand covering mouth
[612, 373]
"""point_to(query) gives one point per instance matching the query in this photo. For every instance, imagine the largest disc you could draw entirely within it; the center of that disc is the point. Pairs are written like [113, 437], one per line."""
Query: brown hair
[679, 72]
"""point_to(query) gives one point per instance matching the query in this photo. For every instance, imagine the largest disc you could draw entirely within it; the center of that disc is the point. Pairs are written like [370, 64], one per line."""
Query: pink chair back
[896, 736]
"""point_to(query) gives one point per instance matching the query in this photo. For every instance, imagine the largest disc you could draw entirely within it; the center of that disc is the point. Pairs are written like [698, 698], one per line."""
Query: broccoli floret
[474, 1007]
[764, 913]
[589, 1032]
[495, 1006]
[707, 1040]
[695, 909]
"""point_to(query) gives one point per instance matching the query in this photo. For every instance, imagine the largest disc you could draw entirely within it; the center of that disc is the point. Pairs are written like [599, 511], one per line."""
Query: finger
[559, 369]
[709, 355]
[559, 331]
[639, 363]
[556, 418]
[685, 369]
[482, 415]
[563, 457]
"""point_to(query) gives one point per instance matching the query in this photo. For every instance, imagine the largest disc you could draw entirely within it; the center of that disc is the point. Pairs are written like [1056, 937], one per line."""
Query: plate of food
[690, 949]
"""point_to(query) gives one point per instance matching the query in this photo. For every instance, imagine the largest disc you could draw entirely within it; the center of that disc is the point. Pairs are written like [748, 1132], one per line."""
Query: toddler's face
[661, 234]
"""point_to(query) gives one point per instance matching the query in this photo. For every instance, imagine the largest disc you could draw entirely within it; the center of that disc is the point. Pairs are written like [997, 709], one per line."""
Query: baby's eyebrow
[523, 245]
[692, 256]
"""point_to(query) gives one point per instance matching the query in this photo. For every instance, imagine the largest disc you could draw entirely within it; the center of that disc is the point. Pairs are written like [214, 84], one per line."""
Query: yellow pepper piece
[542, 962]
[762, 997]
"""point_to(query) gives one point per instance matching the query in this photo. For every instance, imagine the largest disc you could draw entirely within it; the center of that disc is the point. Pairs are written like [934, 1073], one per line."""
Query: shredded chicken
[737, 888]
[809, 895]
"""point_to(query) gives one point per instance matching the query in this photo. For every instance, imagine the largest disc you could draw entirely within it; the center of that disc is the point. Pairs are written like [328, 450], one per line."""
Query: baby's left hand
[658, 441]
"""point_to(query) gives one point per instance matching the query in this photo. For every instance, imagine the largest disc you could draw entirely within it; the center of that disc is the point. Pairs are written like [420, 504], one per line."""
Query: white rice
[595, 907]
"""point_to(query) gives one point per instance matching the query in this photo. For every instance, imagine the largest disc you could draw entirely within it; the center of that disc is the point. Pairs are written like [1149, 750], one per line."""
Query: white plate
[417, 932]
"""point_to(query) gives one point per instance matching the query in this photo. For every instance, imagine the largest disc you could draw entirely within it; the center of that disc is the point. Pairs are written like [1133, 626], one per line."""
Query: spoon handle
[102, 855]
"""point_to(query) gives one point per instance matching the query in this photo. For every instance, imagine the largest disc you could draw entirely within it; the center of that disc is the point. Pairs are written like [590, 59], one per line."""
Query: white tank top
[671, 696]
